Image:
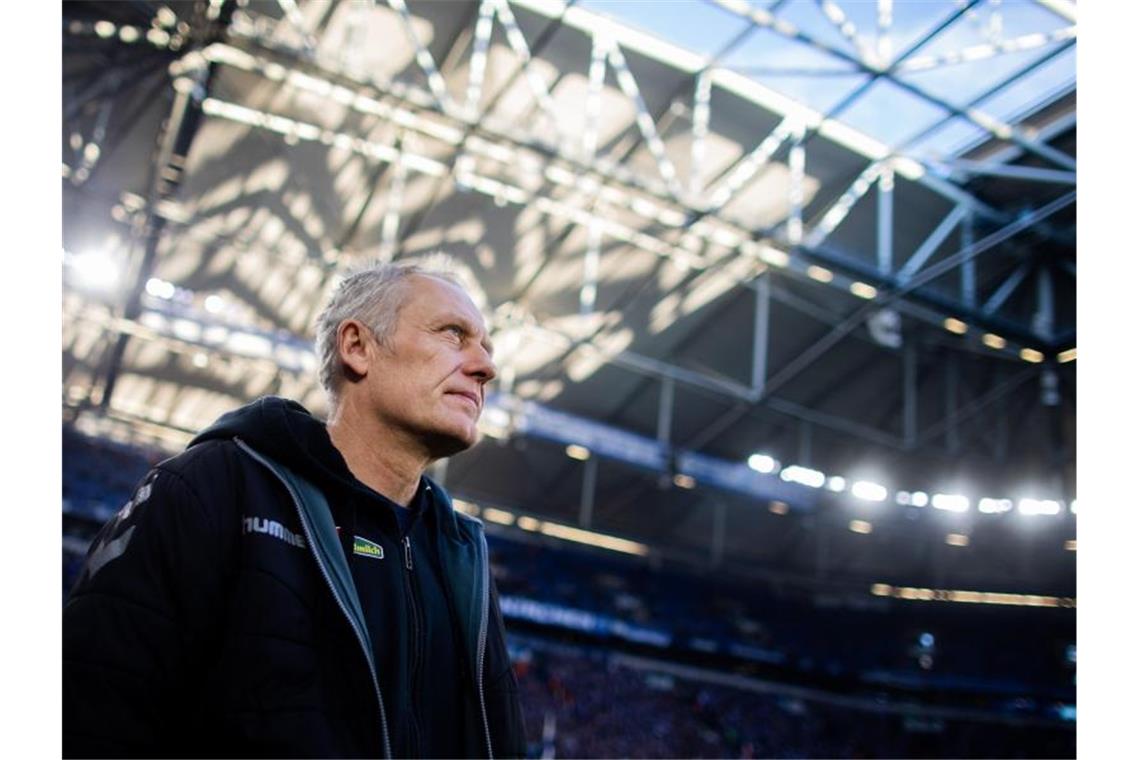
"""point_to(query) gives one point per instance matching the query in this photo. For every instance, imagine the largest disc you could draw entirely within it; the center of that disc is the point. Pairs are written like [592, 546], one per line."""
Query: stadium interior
[781, 458]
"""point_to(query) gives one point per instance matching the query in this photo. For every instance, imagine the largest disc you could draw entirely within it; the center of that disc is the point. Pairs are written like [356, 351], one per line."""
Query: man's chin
[448, 443]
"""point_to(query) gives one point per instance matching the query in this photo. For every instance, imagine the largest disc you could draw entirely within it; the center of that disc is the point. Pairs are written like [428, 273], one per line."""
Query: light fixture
[762, 463]
[955, 326]
[951, 502]
[868, 491]
[778, 508]
[803, 475]
[682, 480]
[819, 274]
[990, 506]
[1032, 356]
[860, 526]
[994, 341]
[574, 451]
[919, 499]
[498, 516]
[863, 290]
[957, 539]
[1067, 356]
[836, 484]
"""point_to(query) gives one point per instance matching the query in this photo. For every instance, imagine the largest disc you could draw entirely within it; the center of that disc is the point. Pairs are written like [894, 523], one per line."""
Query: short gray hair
[373, 294]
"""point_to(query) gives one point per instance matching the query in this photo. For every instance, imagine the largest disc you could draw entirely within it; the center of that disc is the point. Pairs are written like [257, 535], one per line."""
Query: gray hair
[373, 294]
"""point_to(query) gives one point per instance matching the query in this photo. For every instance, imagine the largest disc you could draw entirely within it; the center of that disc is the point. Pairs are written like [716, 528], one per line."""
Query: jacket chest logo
[366, 548]
[272, 528]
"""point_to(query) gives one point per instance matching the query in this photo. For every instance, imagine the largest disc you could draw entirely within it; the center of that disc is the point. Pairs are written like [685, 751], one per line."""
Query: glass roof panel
[990, 43]
[792, 68]
[692, 24]
[950, 139]
[981, 50]
[889, 113]
[1045, 83]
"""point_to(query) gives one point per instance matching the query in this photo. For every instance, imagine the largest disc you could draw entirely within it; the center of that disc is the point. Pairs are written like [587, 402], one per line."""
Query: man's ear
[354, 347]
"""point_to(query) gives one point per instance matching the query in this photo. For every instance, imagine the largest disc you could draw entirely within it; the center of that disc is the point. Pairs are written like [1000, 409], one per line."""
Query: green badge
[366, 548]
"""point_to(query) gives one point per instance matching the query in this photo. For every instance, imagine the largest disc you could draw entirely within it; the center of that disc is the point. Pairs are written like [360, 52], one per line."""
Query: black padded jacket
[216, 615]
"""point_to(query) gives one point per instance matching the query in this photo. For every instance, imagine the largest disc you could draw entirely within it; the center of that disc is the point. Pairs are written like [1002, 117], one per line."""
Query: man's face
[428, 383]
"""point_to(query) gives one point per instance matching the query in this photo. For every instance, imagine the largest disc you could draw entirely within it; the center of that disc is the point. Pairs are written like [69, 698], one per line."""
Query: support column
[796, 160]
[720, 518]
[665, 412]
[969, 266]
[886, 221]
[805, 444]
[589, 487]
[763, 288]
[952, 441]
[910, 395]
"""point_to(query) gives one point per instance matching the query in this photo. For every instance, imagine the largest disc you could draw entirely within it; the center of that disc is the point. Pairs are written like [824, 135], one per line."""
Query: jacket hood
[287, 432]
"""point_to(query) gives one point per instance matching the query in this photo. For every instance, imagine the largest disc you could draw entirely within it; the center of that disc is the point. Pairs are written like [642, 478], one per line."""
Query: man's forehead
[438, 297]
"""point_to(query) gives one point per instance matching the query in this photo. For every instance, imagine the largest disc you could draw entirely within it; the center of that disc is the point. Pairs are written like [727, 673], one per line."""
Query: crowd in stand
[583, 701]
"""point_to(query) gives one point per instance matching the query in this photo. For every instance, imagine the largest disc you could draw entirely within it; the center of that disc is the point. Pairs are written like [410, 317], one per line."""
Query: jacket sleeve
[504, 713]
[138, 621]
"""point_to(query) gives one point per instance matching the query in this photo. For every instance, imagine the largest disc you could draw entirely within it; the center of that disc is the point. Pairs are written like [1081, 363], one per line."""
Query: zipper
[417, 648]
[486, 606]
[328, 581]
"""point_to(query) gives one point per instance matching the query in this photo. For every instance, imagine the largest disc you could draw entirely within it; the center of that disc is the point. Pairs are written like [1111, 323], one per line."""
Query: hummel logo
[272, 528]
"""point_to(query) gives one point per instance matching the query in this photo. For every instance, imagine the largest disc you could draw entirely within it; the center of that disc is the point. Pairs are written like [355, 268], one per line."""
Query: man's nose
[482, 366]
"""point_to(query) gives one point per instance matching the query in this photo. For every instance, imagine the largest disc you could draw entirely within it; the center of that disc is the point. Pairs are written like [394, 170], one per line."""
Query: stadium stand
[616, 658]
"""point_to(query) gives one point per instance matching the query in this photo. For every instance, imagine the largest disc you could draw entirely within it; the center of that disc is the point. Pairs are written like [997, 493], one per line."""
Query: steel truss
[677, 216]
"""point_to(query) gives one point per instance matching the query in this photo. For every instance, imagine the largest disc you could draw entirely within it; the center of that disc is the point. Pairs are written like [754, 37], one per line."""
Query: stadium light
[836, 484]
[778, 508]
[919, 499]
[990, 506]
[95, 270]
[1038, 507]
[763, 463]
[902, 497]
[803, 475]
[860, 526]
[957, 539]
[1073, 506]
[868, 491]
[160, 288]
[951, 502]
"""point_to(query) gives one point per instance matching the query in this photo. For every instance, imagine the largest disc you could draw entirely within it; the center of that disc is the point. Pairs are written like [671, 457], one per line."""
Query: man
[291, 588]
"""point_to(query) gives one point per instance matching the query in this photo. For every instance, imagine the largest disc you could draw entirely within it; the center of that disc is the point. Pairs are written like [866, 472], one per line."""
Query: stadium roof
[841, 234]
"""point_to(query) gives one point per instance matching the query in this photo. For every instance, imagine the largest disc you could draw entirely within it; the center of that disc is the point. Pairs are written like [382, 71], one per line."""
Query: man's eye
[455, 330]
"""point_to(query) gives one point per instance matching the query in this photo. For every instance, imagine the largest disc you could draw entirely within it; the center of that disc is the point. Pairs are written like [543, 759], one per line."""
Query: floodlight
[1038, 507]
[96, 270]
[902, 497]
[214, 303]
[868, 491]
[836, 484]
[926, 640]
[762, 463]
[160, 288]
[919, 499]
[803, 475]
[991, 506]
[951, 502]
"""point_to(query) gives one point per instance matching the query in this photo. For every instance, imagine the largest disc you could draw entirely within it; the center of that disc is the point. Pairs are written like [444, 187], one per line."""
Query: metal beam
[979, 405]
[806, 358]
[763, 309]
[665, 411]
[969, 272]
[838, 210]
[424, 58]
[910, 395]
[997, 169]
[885, 222]
[1043, 318]
[589, 490]
[933, 240]
[796, 161]
[1006, 289]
